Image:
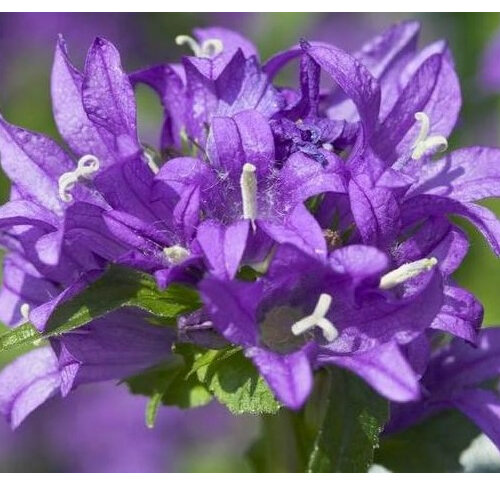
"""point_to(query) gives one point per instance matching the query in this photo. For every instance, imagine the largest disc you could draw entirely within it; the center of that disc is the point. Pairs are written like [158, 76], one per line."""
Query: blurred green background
[26, 47]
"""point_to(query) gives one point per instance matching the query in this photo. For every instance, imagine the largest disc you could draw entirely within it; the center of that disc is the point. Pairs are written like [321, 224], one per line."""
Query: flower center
[406, 272]
[424, 142]
[209, 48]
[87, 165]
[317, 319]
[248, 185]
[176, 254]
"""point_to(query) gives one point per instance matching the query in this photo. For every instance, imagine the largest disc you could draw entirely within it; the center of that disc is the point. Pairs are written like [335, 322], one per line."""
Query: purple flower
[311, 220]
[222, 78]
[343, 310]
[453, 379]
[241, 187]
[114, 347]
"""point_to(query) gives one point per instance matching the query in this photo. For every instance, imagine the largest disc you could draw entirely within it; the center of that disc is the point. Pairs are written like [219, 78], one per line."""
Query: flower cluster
[312, 221]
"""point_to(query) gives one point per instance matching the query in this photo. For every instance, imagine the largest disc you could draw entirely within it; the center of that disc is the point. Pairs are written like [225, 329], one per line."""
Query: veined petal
[128, 187]
[360, 263]
[27, 213]
[113, 347]
[108, 97]
[34, 164]
[419, 207]
[80, 133]
[223, 246]
[468, 174]
[375, 211]
[289, 375]
[302, 177]
[430, 86]
[460, 315]
[27, 383]
[436, 238]
[353, 78]
[232, 305]
[384, 368]
[300, 229]
[169, 86]
[384, 56]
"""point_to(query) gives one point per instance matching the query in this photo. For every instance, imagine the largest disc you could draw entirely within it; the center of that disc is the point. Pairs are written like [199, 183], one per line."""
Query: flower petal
[27, 383]
[223, 246]
[232, 306]
[384, 368]
[422, 206]
[468, 174]
[460, 315]
[483, 408]
[81, 134]
[289, 375]
[108, 97]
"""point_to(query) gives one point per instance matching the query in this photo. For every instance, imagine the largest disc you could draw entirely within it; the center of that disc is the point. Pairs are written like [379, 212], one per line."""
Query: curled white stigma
[176, 254]
[151, 163]
[424, 142]
[209, 48]
[87, 165]
[317, 318]
[248, 185]
[25, 311]
[405, 272]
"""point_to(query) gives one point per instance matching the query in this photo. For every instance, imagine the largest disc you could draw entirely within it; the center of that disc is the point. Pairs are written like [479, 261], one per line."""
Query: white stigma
[176, 254]
[209, 48]
[317, 318]
[25, 311]
[87, 165]
[405, 272]
[248, 185]
[424, 142]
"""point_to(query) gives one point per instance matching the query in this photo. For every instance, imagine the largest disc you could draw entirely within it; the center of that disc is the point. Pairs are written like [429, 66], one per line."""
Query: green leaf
[171, 385]
[235, 382]
[435, 445]
[349, 429]
[118, 287]
[152, 409]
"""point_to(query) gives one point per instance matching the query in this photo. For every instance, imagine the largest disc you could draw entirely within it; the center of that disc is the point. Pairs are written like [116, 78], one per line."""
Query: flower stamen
[248, 185]
[151, 162]
[317, 319]
[209, 48]
[87, 165]
[176, 254]
[424, 142]
[406, 272]
[25, 311]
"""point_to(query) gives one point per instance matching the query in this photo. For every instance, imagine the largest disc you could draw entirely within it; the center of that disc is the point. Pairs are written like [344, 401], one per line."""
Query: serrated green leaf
[118, 287]
[349, 431]
[235, 382]
[210, 356]
[171, 381]
[434, 445]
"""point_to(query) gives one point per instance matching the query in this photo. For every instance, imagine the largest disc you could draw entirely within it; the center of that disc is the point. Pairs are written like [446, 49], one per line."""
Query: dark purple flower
[342, 310]
[453, 379]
